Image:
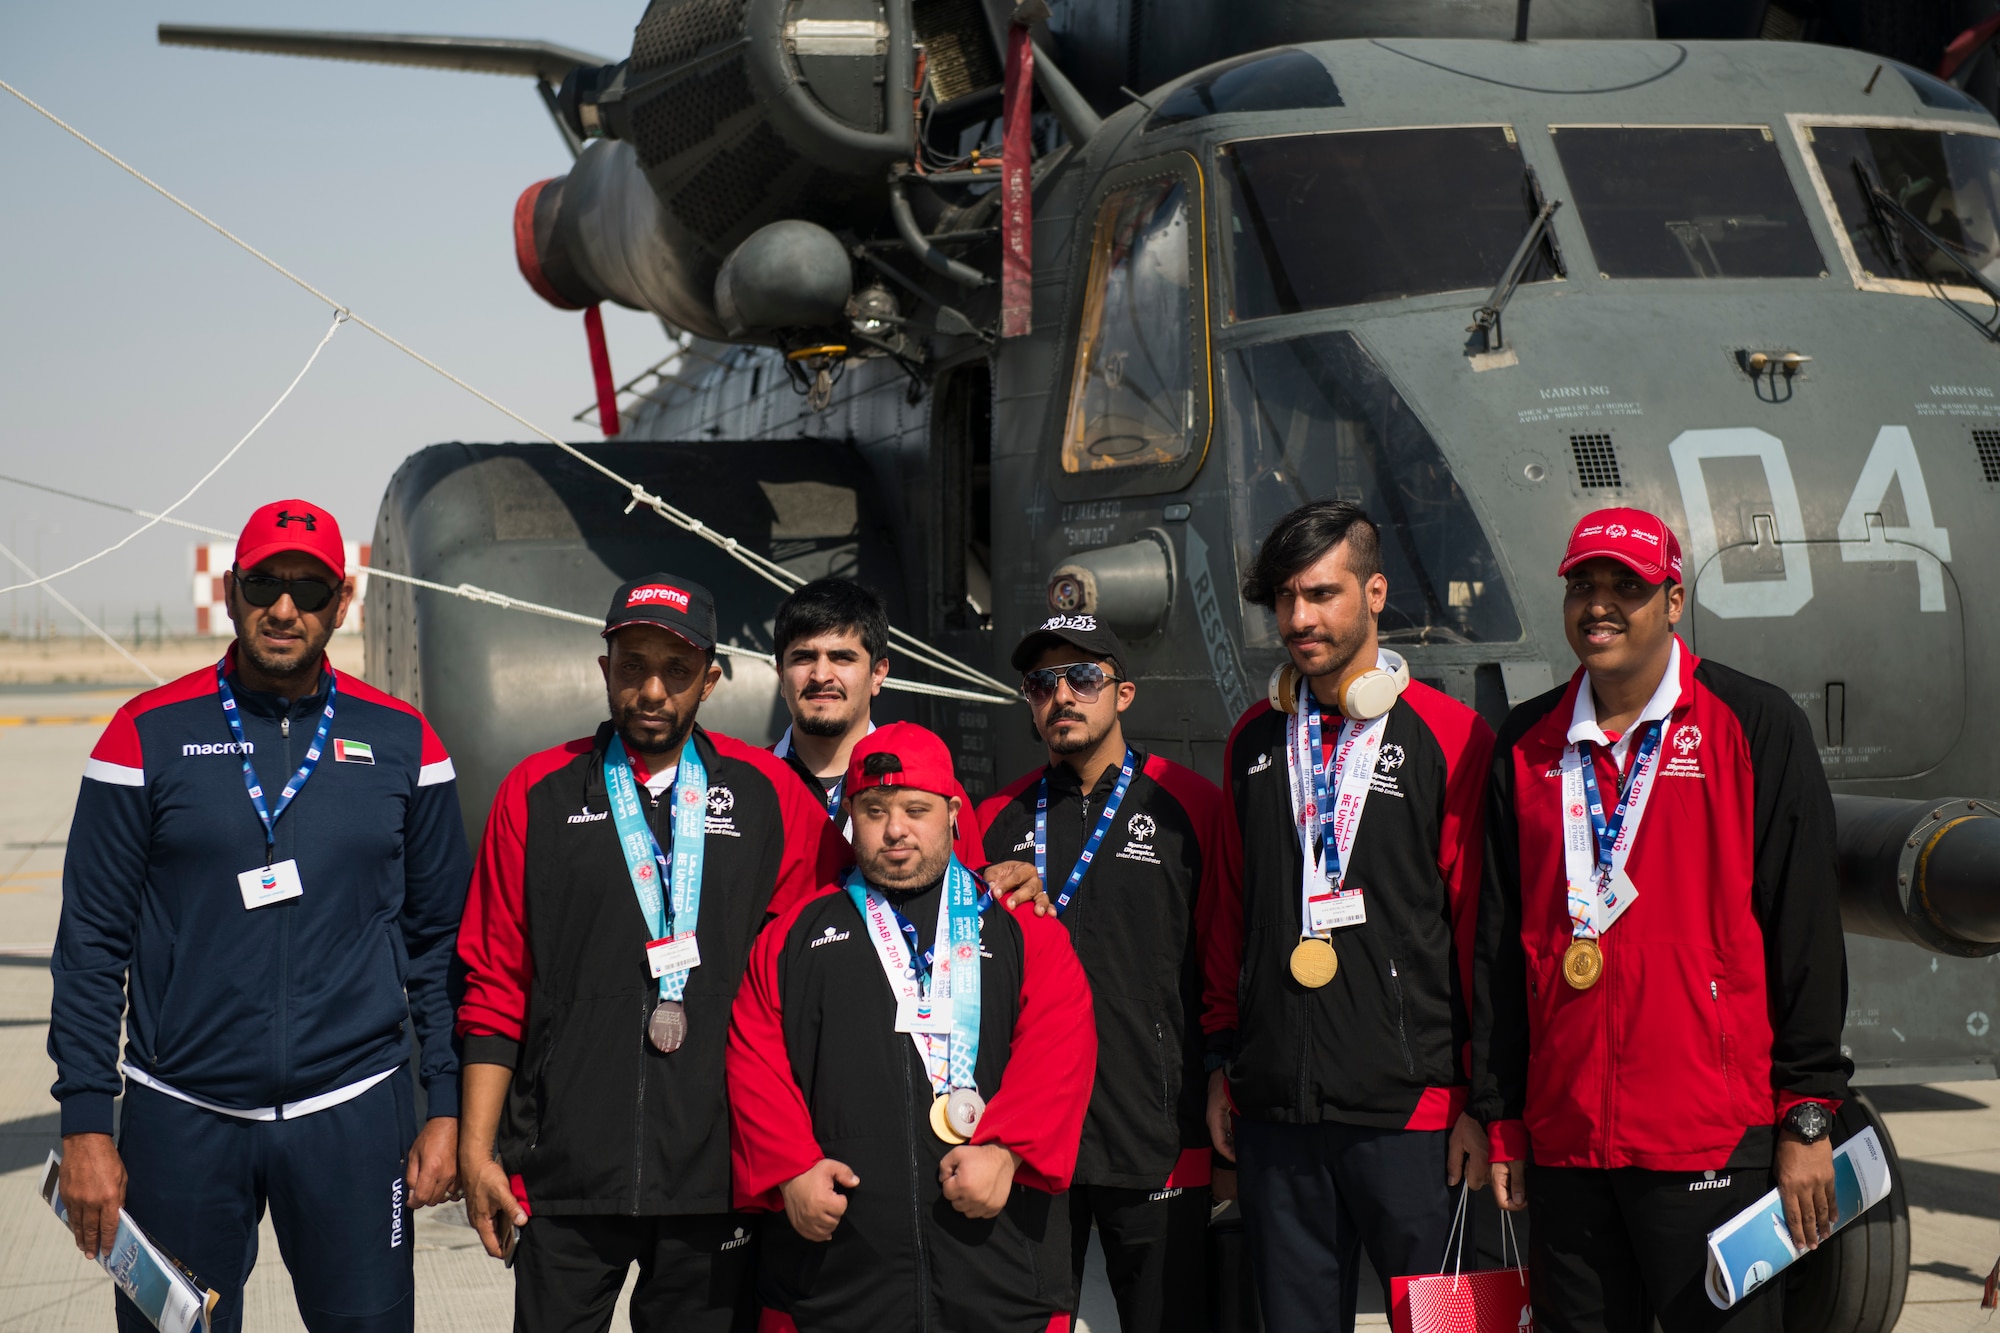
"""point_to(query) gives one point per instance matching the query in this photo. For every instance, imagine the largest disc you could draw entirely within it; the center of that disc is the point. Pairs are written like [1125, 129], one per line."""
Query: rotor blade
[478, 55]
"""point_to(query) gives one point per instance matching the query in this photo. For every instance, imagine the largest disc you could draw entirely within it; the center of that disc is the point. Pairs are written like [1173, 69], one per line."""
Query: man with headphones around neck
[1337, 943]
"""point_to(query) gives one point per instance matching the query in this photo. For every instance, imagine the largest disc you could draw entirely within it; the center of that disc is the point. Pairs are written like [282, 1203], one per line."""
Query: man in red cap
[909, 1067]
[267, 864]
[621, 881]
[1660, 978]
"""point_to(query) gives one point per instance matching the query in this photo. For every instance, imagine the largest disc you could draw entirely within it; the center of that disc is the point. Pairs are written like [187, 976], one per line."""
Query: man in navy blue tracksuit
[267, 864]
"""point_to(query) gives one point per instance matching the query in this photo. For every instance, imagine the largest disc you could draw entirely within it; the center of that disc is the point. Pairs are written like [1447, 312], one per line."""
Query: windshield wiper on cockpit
[1486, 319]
[1890, 217]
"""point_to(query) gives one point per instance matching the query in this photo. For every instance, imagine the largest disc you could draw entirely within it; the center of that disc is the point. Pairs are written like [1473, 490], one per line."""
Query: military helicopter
[1477, 266]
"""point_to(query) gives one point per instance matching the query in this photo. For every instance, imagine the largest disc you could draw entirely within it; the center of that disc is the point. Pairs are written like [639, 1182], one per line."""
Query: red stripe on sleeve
[1219, 912]
[120, 742]
[1038, 1111]
[1467, 743]
[771, 1137]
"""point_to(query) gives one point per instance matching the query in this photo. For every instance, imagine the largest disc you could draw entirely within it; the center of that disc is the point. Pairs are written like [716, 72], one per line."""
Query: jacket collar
[263, 704]
[593, 789]
[1063, 781]
[1575, 718]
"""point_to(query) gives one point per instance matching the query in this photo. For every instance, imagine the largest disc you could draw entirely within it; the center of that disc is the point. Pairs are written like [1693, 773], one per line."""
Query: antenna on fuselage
[1521, 20]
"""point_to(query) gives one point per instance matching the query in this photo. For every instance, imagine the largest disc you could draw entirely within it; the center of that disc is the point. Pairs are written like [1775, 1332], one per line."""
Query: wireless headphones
[1365, 693]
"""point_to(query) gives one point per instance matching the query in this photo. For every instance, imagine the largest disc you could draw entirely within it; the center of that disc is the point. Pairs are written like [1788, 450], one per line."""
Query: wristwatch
[1808, 1120]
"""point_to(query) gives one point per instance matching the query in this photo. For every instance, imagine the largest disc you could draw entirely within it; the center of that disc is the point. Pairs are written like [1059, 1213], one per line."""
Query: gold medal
[1314, 962]
[1583, 964]
[941, 1123]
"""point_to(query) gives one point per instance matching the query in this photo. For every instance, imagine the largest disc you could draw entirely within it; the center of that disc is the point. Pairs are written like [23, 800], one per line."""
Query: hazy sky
[136, 346]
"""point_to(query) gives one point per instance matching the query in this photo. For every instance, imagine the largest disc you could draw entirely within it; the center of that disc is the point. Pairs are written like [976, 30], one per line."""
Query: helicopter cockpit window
[1678, 202]
[1315, 418]
[1948, 182]
[1134, 400]
[1323, 220]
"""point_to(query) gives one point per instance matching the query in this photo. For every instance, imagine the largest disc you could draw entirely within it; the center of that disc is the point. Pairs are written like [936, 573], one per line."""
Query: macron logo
[222, 747]
[657, 594]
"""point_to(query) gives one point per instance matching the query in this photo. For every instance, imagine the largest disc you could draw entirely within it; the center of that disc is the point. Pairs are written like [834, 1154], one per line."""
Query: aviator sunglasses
[1085, 679]
[266, 589]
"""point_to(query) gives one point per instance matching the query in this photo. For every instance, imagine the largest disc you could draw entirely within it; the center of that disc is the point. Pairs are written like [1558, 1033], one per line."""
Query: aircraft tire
[1855, 1283]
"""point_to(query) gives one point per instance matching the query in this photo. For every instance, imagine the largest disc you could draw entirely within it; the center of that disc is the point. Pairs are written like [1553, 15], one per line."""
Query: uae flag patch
[353, 752]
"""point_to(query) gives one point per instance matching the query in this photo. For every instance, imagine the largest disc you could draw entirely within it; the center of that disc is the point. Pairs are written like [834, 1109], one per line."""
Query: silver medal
[963, 1107]
[668, 1027]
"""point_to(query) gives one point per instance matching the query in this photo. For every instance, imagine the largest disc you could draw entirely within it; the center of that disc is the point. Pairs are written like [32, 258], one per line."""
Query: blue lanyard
[1076, 873]
[833, 797]
[268, 816]
[963, 903]
[1606, 831]
[920, 957]
[1326, 847]
[645, 862]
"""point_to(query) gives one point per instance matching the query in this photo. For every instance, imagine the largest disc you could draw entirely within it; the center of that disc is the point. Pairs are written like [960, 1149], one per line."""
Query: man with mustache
[909, 1065]
[622, 879]
[1661, 980]
[832, 641]
[1337, 946]
[1126, 842]
[263, 882]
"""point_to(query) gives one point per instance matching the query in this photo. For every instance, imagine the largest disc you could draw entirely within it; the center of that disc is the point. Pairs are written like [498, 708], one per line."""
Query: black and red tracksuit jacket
[1384, 1043]
[557, 987]
[817, 1070]
[1725, 982]
[1132, 925]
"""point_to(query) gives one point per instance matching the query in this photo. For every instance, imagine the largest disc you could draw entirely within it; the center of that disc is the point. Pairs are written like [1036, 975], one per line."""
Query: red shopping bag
[1455, 1301]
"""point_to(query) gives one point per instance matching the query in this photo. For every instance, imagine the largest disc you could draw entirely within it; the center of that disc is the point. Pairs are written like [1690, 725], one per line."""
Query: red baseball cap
[920, 760]
[292, 525]
[1640, 541]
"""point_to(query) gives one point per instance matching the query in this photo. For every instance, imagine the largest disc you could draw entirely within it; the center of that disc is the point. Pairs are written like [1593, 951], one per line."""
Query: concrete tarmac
[1948, 1134]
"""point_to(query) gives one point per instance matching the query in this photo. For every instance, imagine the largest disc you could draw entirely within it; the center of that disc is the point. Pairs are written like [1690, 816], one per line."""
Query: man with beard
[267, 866]
[1131, 840]
[832, 637]
[1660, 879]
[909, 1065]
[1338, 947]
[622, 879]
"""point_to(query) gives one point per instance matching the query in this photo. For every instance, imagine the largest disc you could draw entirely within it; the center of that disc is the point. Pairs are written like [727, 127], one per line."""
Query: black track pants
[1153, 1253]
[696, 1274]
[1315, 1196]
[1610, 1251]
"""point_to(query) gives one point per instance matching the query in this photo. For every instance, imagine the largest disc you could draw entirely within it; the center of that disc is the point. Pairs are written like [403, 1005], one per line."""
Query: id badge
[674, 955]
[270, 884]
[1617, 897]
[921, 1013]
[1332, 911]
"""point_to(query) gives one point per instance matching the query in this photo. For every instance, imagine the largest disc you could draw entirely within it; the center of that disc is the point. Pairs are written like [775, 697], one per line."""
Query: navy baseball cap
[1086, 633]
[666, 600]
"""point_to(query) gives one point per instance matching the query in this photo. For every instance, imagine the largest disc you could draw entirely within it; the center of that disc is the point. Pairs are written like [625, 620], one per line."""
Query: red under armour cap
[292, 525]
[1640, 541]
[905, 755]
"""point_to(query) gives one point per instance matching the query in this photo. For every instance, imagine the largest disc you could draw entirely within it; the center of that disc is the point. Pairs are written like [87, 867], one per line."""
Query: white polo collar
[1583, 719]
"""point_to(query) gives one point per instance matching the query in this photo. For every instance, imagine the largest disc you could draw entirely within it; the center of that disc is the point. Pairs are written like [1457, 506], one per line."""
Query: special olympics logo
[1688, 739]
[1392, 758]
[1616, 530]
[964, 952]
[721, 800]
[1576, 811]
[689, 796]
[1141, 827]
[645, 873]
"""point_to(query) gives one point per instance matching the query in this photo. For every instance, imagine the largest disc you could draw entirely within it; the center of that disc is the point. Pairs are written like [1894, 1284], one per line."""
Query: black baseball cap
[667, 600]
[1089, 633]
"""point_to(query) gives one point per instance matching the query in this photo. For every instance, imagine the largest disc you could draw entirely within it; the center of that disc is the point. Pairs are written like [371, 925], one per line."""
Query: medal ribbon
[950, 1062]
[1111, 805]
[267, 816]
[1596, 846]
[647, 864]
[1327, 798]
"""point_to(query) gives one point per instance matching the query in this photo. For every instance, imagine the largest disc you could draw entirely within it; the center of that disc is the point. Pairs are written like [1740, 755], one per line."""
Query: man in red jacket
[621, 881]
[909, 1064]
[1660, 978]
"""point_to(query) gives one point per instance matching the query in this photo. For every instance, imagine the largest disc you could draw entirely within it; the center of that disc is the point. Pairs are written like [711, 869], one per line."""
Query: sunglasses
[265, 590]
[1086, 681]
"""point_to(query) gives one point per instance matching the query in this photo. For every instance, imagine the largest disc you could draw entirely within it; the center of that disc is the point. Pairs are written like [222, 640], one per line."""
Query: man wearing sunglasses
[1125, 844]
[267, 864]
[1338, 946]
